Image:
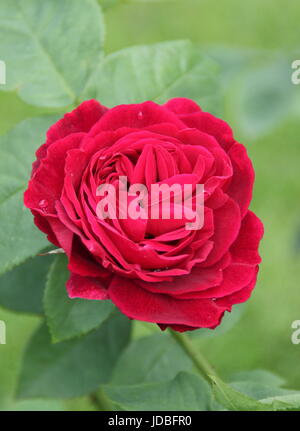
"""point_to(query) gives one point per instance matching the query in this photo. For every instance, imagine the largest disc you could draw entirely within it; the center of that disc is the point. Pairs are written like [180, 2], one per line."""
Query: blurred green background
[255, 42]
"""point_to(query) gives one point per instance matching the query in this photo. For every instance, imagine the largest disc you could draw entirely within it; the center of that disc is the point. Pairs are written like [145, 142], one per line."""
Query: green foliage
[75, 367]
[234, 399]
[67, 317]
[258, 376]
[48, 51]
[185, 392]
[259, 390]
[22, 288]
[155, 72]
[284, 402]
[150, 359]
[20, 239]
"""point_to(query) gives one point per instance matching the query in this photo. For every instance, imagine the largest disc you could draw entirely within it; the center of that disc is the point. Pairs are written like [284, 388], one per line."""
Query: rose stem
[201, 363]
[100, 401]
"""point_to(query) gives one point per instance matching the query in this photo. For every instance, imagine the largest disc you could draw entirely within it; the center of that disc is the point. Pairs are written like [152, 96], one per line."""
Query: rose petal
[137, 116]
[227, 225]
[139, 304]
[46, 184]
[86, 288]
[234, 278]
[181, 105]
[208, 123]
[240, 296]
[241, 184]
[80, 119]
[245, 248]
[81, 262]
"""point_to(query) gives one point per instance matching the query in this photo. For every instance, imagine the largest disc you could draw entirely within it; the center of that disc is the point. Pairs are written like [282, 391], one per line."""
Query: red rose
[152, 270]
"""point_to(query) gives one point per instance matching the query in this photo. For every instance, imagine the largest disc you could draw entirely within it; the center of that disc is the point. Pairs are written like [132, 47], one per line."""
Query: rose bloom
[153, 270]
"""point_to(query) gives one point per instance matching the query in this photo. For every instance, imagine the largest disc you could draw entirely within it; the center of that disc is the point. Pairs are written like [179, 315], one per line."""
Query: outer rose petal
[245, 248]
[46, 184]
[140, 304]
[137, 116]
[235, 278]
[43, 224]
[184, 328]
[227, 302]
[63, 234]
[86, 287]
[180, 106]
[238, 297]
[227, 226]
[80, 119]
[241, 185]
[211, 125]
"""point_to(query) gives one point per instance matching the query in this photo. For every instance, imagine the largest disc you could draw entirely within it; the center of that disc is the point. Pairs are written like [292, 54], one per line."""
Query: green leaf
[264, 386]
[19, 238]
[259, 390]
[75, 367]
[259, 376]
[291, 400]
[22, 288]
[233, 399]
[50, 48]
[155, 72]
[67, 317]
[150, 359]
[186, 392]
